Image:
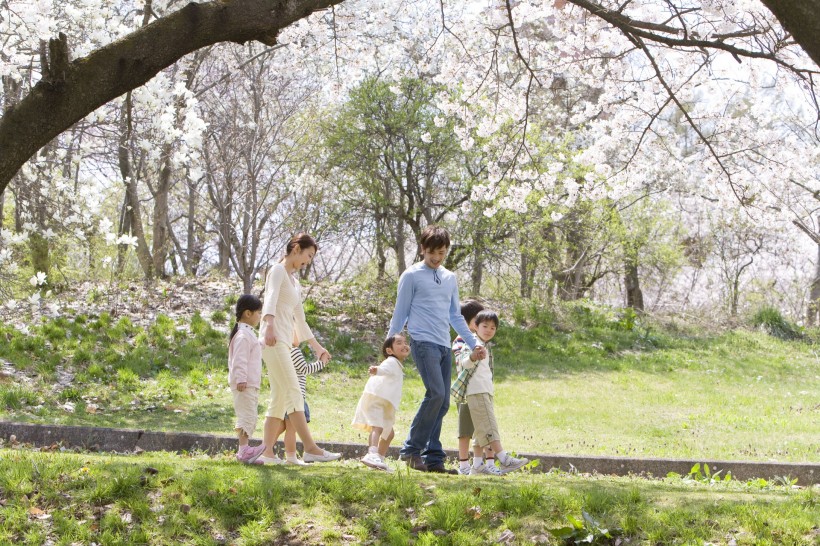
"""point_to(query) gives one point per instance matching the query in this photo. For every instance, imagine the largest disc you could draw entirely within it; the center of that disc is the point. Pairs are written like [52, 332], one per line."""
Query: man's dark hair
[434, 237]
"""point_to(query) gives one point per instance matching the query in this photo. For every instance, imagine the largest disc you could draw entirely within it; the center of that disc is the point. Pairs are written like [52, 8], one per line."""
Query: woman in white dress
[283, 317]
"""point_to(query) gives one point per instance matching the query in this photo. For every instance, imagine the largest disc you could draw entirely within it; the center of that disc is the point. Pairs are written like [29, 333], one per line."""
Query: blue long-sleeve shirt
[429, 308]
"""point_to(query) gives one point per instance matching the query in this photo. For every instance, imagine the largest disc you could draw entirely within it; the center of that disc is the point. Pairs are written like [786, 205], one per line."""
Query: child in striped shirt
[302, 370]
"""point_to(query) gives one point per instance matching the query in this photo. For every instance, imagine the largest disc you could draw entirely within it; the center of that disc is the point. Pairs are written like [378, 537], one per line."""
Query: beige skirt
[285, 394]
[374, 412]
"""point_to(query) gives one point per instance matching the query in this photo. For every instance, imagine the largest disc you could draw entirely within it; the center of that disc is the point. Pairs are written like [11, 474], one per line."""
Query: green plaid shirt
[462, 351]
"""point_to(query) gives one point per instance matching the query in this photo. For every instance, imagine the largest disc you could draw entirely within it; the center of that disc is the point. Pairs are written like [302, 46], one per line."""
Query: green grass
[580, 384]
[165, 499]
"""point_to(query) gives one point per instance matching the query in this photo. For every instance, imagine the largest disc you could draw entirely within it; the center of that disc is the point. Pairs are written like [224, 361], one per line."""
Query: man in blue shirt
[427, 302]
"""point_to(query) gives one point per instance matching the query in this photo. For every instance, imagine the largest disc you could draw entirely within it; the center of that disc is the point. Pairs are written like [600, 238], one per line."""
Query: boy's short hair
[470, 308]
[388, 344]
[434, 237]
[486, 316]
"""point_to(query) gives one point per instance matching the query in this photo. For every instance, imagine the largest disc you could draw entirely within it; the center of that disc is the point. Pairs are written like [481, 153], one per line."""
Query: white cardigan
[388, 381]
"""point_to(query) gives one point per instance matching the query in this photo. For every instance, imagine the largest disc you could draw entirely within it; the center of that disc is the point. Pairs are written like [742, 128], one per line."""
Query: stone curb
[126, 440]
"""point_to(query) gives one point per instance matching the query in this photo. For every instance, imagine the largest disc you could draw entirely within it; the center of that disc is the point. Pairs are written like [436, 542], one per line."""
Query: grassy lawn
[80, 498]
[585, 384]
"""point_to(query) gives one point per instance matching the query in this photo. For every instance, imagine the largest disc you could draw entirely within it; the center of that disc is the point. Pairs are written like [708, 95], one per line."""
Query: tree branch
[128, 63]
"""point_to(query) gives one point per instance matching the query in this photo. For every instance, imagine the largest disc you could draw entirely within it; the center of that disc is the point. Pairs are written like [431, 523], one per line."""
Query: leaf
[563, 532]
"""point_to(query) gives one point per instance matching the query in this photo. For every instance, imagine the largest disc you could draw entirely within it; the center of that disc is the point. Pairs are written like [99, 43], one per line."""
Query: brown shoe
[441, 469]
[415, 462]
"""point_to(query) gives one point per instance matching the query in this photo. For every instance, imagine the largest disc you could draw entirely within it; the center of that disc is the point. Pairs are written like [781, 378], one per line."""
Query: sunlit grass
[578, 384]
[169, 499]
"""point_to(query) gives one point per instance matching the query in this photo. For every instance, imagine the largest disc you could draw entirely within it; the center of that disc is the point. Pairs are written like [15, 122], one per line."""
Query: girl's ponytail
[246, 302]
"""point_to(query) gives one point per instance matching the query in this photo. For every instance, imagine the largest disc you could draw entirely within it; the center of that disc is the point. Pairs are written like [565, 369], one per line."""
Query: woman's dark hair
[388, 344]
[470, 308]
[486, 316]
[434, 237]
[246, 302]
[304, 241]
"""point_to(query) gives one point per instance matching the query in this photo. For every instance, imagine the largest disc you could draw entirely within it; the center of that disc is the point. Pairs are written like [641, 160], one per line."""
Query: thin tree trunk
[814, 294]
[131, 218]
[632, 281]
[161, 239]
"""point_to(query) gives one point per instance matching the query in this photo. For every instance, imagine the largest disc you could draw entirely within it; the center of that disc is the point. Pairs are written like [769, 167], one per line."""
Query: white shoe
[296, 462]
[464, 471]
[374, 460]
[488, 469]
[512, 464]
[269, 460]
[325, 457]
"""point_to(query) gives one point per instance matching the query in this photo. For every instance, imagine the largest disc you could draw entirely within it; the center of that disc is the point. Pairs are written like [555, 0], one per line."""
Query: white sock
[290, 456]
[478, 461]
[465, 465]
[502, 456]
[373, 449]
[490, 461]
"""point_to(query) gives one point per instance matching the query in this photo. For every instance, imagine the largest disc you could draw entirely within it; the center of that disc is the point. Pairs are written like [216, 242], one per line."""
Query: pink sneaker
[249, 455]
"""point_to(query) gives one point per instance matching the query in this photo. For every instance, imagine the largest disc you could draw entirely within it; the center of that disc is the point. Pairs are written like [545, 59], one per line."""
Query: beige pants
[285, 394]
[483, 414]
[246, 407]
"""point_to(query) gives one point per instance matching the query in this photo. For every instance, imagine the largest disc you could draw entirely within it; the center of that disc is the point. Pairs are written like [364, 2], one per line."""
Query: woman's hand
[324, 355]
[270, 337]
[374, 370]
[320, 352]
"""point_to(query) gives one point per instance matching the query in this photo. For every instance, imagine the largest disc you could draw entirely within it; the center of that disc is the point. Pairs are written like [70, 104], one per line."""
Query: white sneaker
[464, 471]
[296, 461]
[325, 457]
[270, 460]
[488, 469]
[512, 464]
[374, 460]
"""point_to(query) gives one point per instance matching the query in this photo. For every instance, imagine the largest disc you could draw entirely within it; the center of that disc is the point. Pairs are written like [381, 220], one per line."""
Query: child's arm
[241, 353]
[301, 365]
[461, 351]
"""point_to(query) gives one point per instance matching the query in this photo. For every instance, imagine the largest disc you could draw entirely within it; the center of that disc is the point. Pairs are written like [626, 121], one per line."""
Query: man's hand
[373, 370]
[241, 386]
[479, 353]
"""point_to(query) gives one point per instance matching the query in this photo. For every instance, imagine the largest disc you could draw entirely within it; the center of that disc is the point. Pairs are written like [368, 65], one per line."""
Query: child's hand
[374, 370]
[241, 386]
[479, 353]
[324, 356]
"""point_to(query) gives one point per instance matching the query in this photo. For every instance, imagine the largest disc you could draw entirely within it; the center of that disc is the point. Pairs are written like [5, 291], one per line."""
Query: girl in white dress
[376, 411]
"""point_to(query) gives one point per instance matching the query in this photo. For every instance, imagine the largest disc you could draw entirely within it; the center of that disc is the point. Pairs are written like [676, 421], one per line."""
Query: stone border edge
[129, 440]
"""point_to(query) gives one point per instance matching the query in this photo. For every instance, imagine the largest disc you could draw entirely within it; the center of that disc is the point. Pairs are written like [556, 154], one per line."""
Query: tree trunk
[477, 274]
[161, 240]
[632, 282]
[814, 295]
[131, 217]
[401, 241]
[381, 256]
[801, 18]
[193, 252]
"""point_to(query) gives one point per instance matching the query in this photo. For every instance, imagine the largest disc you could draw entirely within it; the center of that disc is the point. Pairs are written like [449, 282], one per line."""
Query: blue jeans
[434, 363]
